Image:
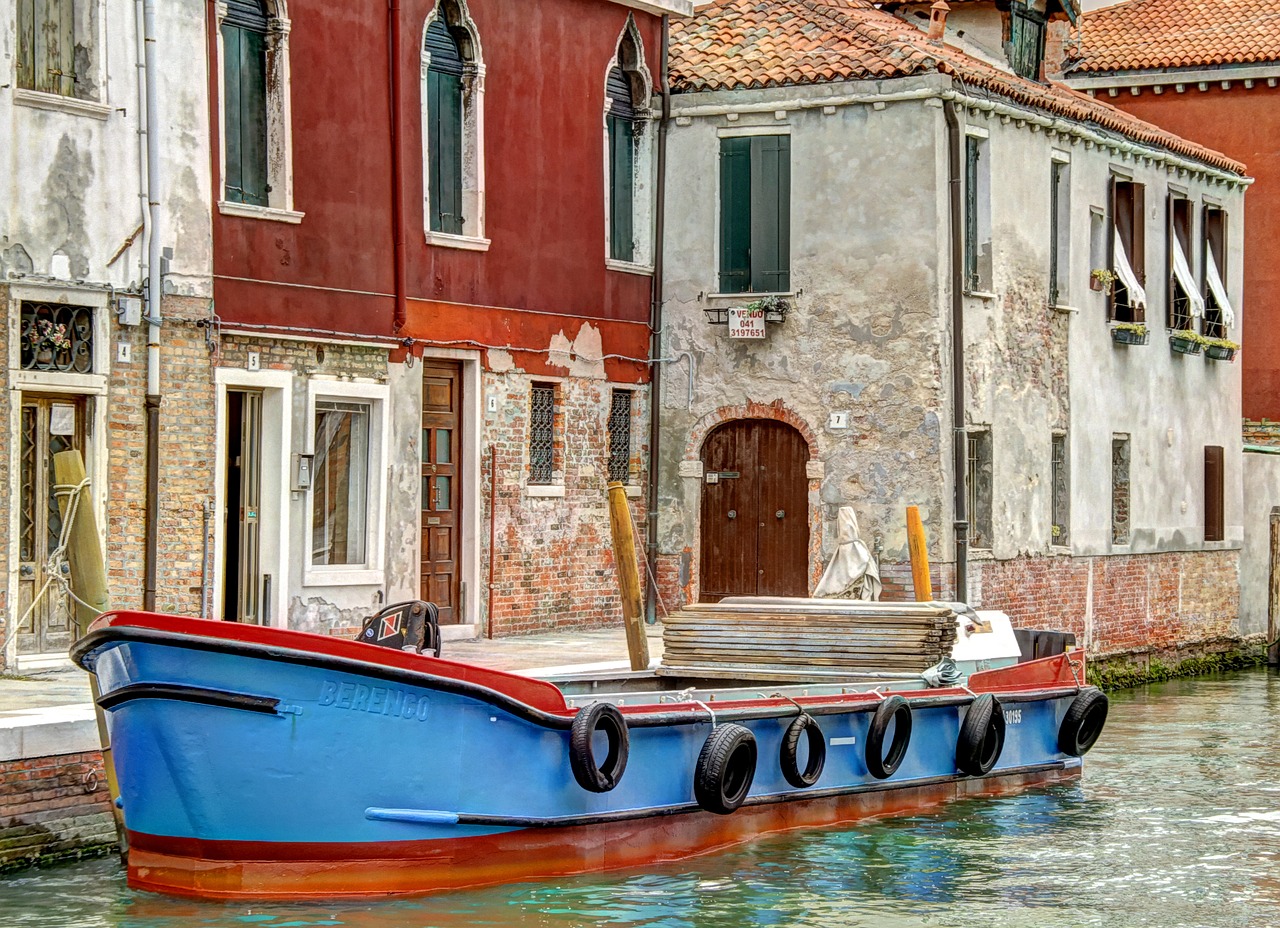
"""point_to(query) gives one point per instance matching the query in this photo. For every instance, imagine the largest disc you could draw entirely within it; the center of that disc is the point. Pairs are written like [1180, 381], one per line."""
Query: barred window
[620, 437]
[1061, 490]
[57, 338]
[1120, 489]
[542, 418]
[980, 489]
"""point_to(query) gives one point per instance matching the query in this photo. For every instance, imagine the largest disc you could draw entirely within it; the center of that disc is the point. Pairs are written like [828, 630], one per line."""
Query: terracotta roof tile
[1147, 34]
[743, 44]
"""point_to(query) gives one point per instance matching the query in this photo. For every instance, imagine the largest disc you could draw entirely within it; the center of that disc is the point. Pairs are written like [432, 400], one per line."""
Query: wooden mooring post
[88, 583]
[624, 556]
[1273, 591]
[919, 549]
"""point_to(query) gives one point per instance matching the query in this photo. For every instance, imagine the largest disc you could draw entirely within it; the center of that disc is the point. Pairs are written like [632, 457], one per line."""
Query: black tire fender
[981, 736]
[883, 765]
[803, 725]
[726, 767]
[592, 775]
[1083, 722]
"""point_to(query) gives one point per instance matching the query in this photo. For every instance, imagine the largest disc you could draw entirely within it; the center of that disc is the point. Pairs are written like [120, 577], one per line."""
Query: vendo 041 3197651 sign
[745, 322]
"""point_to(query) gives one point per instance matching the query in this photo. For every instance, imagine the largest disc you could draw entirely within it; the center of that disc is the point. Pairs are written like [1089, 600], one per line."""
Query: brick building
[1208, 70]
[999, 359]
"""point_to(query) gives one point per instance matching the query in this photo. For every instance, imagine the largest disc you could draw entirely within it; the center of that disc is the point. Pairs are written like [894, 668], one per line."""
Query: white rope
[648, 568]
[57, 558]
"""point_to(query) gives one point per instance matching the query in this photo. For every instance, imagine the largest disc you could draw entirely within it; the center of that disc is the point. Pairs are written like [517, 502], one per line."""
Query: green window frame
[755, 214]
[47, 46]
[244, 103]
[444, 129]
[623, 138]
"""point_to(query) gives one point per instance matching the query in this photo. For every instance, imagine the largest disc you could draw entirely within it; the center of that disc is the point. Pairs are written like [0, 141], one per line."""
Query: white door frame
[276, 452]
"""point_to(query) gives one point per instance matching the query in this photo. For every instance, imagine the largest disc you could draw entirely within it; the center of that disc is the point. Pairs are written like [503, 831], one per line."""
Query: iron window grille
[979, 496]
[57, 338]
[542, 418]
[1061, 490]
[1120, 515]
[620, 437]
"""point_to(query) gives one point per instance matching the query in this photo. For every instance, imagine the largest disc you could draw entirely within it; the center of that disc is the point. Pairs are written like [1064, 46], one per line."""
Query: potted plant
[1220, 349]
[46, 339]
[1101, 279]
[1129, 333]
[1185, 341]
[774, 307]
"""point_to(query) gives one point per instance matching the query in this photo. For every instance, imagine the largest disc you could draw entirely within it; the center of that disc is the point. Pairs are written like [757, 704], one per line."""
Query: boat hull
[261, 763]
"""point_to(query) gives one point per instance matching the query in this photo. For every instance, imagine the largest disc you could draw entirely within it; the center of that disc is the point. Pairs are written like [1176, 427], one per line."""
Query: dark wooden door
[441, 486]
[755, 511]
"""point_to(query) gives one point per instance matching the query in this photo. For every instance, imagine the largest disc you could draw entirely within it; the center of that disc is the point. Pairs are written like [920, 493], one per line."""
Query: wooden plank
[624, 556]
[919, 550]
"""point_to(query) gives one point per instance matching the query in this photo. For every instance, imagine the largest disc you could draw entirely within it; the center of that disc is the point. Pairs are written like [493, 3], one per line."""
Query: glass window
[340, 489]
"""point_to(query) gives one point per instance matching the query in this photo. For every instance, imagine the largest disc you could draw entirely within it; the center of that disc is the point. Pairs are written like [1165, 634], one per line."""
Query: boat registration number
[1013, 716]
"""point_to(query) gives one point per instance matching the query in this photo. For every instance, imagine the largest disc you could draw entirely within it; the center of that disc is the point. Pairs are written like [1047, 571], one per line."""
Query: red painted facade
[1243, 123]
[544, 271]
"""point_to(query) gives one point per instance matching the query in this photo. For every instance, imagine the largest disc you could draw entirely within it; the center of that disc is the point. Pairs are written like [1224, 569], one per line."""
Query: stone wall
[53, 807]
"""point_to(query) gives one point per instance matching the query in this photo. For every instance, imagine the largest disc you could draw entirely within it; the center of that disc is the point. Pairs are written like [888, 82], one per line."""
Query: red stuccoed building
[434, 252]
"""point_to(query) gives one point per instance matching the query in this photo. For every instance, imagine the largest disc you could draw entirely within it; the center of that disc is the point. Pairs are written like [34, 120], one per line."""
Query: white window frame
[279, 122]
[473, 179]
[644, 175]
[373, 571]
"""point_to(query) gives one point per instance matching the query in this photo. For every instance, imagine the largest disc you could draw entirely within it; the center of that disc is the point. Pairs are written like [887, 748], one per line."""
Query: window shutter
[27, 44]
[621, 188]
[618, 89]
[1213, 515]
[971, 213]
[1054, 168]
[735, 215]
[1112, 218]
[253, 117]
[1139, 257]
[444, 144]
[770, 213]
[251, 14]
[46, 46]
[446, 57]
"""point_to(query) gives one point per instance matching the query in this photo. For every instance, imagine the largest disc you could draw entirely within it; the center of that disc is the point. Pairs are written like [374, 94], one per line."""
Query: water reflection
[1174, 825]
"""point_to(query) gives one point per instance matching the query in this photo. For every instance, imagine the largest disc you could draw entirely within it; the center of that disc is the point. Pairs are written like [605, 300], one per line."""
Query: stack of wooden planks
[759, 636]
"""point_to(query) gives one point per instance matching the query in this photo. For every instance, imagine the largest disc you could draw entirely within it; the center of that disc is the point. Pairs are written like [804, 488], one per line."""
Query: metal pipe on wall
[655, 343]
[154, 285]
[959, 437]
[397, 180]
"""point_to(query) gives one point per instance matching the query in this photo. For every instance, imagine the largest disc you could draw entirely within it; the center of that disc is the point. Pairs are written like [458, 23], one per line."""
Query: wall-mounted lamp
[302, 471]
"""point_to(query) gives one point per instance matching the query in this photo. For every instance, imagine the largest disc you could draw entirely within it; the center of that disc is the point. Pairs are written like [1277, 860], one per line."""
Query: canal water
[1175, 824]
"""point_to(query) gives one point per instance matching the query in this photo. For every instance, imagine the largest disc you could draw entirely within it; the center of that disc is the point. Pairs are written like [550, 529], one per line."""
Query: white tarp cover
[852, 573]
[1218, 288]
[1182, 271]
[1124, 270]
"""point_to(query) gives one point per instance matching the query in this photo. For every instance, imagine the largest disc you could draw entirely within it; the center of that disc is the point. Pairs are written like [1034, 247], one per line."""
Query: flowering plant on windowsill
[1220, 349]
[1129, 333]
[51, 335]
[775, 308]
[1101, 279]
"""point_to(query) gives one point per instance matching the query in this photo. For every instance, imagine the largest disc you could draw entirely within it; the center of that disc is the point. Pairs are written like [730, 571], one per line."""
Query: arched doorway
[755, 511]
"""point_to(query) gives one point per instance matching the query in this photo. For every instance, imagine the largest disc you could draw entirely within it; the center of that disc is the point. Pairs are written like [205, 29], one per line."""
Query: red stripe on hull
[257, 870]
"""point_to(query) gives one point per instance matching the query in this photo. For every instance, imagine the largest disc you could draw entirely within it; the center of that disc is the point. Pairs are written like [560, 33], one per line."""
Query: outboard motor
[412, 625]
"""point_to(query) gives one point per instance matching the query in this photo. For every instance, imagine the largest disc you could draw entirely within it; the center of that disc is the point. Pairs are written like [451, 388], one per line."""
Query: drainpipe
[143, 205]
[959, 437]
[397, 179]
[154, 285]
[655, 340]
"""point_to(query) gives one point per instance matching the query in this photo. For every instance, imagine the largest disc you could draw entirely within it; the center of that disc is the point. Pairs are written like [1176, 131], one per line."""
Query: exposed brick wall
[1118, 604]
[553, 561]
[53, 807]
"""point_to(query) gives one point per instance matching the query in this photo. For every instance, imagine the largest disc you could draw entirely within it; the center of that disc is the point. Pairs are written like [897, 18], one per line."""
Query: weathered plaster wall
[866, 332]
[1261, 495]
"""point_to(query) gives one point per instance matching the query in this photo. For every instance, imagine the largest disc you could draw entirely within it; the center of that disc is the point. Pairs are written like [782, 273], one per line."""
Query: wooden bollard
[624, 556]
[88, 581]
[919, 549]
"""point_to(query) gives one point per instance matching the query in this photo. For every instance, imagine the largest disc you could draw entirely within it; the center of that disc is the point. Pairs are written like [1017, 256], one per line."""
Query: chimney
[938, 20]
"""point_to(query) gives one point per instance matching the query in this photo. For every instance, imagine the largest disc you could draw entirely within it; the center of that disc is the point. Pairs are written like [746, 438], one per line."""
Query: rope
[648, 568]
[57, 559]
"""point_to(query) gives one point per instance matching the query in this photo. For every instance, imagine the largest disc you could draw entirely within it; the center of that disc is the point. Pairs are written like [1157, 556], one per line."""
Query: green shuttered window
[622, 166]
[444, 129]
[244, 101]
[47, 46]
[755, 214]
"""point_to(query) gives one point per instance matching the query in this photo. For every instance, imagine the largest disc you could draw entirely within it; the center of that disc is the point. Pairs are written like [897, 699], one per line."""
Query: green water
[1175, 824]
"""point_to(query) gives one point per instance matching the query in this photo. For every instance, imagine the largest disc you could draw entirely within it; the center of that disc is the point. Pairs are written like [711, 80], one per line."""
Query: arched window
[253, 56]
[628, 151]
[452, 94]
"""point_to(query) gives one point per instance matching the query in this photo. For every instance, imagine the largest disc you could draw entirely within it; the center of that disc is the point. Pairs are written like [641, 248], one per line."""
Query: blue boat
[264, 763]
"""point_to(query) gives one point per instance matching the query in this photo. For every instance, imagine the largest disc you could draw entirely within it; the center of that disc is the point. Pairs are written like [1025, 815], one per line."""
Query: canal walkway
[50, 712]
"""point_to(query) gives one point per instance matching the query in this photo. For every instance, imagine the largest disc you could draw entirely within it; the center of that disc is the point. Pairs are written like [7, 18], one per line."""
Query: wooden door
[441, 487]
[50, 424]
[755, 511]
[242, 600]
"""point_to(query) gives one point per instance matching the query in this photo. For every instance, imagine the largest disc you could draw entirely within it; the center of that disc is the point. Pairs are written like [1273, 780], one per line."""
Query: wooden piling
[624, 556]
[919, 549]
[1273, 591]
[88, 582]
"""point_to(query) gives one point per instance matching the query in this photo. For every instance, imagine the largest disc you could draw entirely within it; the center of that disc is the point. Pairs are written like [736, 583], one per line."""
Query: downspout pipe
[397, 177]
[154, 285]
[655, 343]
[959, 436]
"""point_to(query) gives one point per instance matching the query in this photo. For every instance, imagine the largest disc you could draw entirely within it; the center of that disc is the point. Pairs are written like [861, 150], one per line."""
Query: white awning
[1124, 270]
[1182, 271]
[1218, 289]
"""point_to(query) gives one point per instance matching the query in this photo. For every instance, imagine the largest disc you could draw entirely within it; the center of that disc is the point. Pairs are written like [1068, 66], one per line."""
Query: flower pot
[1128, 337]
[1184, 345]
[1219, 353]
[1095, 284]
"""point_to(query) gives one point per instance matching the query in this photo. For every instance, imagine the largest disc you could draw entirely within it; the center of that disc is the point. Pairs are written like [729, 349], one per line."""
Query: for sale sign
[746, 323]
